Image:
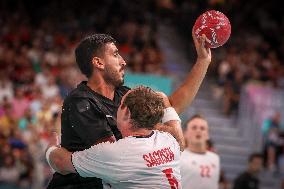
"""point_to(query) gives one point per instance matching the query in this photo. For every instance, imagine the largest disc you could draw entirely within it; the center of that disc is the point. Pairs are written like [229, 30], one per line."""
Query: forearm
[174, 128]
[60, 161]
[183, 96]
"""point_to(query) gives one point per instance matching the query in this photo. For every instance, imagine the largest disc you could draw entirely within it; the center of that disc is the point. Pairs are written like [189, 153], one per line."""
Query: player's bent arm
[171, 122]
[60, 160]
[97, 161]
[184, 95]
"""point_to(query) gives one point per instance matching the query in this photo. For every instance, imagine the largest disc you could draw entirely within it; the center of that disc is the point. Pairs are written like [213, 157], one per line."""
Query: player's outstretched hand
[203, 52]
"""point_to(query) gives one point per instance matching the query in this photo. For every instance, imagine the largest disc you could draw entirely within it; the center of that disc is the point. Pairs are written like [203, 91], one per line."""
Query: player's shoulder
[163, 134]
[81, 91]
[166, 138]
[212, 155]
[106, 148]
[82, 99]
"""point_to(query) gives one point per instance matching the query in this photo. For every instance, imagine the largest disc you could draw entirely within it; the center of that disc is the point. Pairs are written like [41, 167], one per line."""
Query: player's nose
[122, 62]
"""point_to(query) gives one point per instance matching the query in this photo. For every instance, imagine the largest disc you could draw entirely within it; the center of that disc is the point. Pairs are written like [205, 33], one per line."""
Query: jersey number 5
[172, 180]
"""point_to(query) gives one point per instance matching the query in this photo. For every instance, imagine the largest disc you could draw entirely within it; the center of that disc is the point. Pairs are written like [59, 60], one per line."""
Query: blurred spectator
[7, 121]
[19, 103]
[271, 130]
[232, 92]
[9, 173]
[248, 179]
[50, 90]
[6, 88]
[27, 120]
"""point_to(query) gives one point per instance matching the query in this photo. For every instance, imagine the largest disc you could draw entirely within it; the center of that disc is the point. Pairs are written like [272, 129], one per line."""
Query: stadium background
[243, 90]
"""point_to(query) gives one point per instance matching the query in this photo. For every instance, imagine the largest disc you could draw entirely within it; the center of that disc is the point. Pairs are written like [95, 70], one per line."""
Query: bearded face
[114, 76]
[114, 66]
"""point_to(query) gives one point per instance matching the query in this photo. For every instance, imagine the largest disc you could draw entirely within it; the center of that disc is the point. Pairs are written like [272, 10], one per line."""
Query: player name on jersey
[159, 157]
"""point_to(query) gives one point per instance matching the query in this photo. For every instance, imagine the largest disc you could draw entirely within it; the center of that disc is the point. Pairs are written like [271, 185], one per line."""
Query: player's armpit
[60, 161]
[174, 128]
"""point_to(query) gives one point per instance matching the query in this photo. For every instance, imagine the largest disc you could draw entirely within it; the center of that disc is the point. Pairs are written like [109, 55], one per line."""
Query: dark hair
[89, 47]
[253, 156]
[195, 116]
[146, 107]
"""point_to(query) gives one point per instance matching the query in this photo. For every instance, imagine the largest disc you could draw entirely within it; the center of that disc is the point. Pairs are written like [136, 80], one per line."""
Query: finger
[207, 40]
[195, 40]
[202, 39]
[209, 52]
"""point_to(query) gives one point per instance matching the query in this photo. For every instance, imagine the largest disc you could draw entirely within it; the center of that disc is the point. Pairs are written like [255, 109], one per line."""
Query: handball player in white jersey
[200, 168]
[144, 158]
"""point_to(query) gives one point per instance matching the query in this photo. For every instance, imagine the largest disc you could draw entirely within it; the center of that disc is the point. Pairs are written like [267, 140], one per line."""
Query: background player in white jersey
[144, 158]
[200, 168]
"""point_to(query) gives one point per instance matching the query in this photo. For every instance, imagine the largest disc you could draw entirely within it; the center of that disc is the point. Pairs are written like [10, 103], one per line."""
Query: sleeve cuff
[73, 163]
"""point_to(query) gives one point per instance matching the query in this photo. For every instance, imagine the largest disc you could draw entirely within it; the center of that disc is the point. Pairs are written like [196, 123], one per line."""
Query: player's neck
[137, 133]
[199, 149]
[99, 85]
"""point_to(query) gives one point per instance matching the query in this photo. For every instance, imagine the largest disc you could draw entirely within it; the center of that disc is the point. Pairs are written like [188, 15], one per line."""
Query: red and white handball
[216, 27]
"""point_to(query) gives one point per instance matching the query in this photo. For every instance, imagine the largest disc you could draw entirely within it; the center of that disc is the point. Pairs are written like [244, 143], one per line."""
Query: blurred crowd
[37, 69]
[253, 55]
[250, 60]
[37, 64]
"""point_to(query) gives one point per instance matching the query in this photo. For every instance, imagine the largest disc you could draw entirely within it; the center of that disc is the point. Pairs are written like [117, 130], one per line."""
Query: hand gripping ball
[216, 27]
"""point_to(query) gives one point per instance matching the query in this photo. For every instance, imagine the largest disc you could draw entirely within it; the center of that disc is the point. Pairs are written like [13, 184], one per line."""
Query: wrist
[170, 115]
[203, 61]
[47, 154]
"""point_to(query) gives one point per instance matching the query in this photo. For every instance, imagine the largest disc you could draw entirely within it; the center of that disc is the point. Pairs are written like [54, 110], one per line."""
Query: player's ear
[127, 114]
[98, 62]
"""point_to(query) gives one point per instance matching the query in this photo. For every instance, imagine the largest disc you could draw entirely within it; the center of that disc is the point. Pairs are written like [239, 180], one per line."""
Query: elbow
[60, 168]
[63, 172]
[58, 165]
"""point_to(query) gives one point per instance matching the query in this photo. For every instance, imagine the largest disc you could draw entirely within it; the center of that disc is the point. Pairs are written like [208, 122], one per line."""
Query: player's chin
[122, 79]
[121, 82]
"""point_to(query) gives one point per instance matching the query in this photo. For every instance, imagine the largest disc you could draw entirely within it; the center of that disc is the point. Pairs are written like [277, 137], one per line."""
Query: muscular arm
[60, 161]
[97, 161]
[60, 158]
[184, 94]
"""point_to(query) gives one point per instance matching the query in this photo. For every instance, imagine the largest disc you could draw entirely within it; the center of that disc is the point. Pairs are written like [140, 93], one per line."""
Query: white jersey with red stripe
[199, 171]
[133, 162]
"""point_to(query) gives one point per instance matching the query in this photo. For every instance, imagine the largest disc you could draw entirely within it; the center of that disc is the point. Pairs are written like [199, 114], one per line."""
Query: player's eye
[116, 54]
